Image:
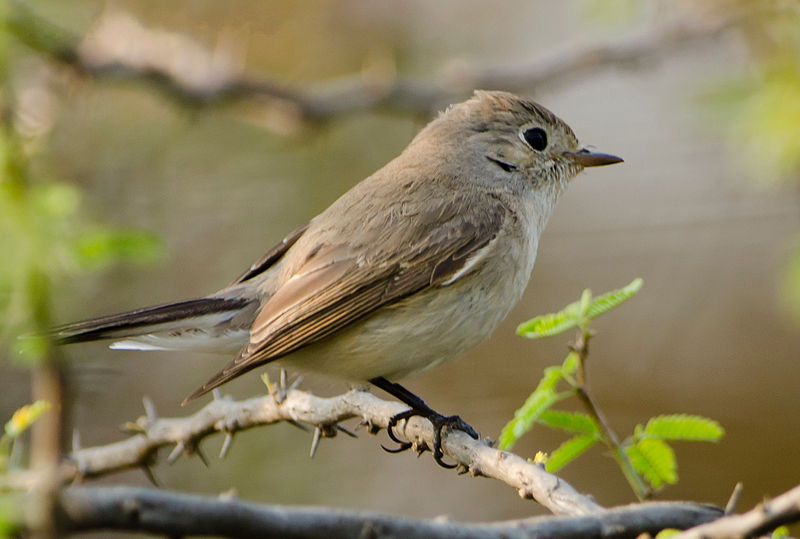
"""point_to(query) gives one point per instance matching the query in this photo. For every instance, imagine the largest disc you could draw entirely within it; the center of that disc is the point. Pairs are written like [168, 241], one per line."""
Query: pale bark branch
[198, 76]
[476, 457]
[765, 517]
[176, 514]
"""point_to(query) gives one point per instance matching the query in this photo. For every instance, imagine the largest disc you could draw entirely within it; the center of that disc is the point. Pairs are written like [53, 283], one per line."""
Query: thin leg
[419, 408]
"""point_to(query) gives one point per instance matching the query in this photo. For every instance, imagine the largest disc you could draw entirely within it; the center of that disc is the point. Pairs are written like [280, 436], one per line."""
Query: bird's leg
[419, 408]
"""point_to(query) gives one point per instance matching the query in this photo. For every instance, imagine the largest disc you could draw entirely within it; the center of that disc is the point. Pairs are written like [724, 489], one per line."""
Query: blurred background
[143, 189]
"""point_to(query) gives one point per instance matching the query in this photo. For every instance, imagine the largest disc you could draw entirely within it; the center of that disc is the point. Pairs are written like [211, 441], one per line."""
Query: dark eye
[536, 138]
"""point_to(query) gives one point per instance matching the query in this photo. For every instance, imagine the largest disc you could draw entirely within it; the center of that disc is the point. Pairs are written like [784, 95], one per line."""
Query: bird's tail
[169, 320]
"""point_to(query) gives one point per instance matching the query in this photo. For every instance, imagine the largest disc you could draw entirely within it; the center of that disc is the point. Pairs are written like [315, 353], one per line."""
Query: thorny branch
[226, 416]
[196, 76]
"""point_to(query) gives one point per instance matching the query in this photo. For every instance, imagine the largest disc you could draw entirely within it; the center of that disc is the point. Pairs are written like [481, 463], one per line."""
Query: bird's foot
[438, 421]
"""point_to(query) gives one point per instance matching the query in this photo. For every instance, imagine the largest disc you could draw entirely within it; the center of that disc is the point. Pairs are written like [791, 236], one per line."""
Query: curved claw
[439, 422]
[393, 423]
[405, 446]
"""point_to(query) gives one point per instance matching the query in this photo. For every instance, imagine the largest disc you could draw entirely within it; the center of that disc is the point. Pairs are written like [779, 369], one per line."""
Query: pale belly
[424, 330]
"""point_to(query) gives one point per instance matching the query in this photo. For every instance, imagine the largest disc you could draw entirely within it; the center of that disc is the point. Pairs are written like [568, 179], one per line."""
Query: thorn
[371, 427]
[176, 452]
[134, 428]
[300, 426]
[226, 445]
[282, 385]
[76, 440]
[475, 472]
[217, 394]
[734, 499]
[150, 475]
[267, 382]
[315, 441]
[349, 432]
[273, 389]
[229, 495]
[525, 493]
[295, 383]
[200, 454]
[149, 408]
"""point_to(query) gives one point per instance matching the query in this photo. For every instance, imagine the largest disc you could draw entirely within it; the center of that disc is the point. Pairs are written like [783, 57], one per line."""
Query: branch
[196, 76]
[227, 416]
[766, 516]
[175, 514]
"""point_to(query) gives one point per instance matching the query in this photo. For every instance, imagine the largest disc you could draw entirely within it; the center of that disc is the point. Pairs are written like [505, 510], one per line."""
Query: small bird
[407, 270]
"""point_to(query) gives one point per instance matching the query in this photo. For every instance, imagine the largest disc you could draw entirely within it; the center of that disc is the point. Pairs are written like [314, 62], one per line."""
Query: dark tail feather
[143, 321]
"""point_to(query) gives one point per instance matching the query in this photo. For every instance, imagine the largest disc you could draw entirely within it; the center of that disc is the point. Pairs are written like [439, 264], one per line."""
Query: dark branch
[204, 80]
[175, 514]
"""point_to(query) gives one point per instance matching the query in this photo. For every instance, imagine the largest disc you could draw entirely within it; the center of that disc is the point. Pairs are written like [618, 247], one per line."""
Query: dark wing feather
[337, 287]
[271, 256]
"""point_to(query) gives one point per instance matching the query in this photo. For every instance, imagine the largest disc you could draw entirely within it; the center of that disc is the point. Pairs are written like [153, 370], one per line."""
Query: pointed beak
[588, 158]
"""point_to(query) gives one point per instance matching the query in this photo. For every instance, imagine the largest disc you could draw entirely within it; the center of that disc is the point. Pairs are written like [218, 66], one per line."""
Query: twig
[227, 416]
[766, 516]
[162, 512]
[581, 348]
[205, 80]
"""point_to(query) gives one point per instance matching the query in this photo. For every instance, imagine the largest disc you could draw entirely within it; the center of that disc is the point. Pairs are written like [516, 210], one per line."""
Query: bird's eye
[536, 138]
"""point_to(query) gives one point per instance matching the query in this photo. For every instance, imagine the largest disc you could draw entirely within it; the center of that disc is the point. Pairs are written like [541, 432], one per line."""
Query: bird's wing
[271, 256]
[339, 284]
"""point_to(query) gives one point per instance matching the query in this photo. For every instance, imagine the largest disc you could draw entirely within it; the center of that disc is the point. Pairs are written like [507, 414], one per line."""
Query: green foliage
[570, 450]
[654, 460]
[100, 246]
[12, 507]
[19, 423]
[577, 313]
[47, 238]
[543, 397]
[780, 532]
[686, 427]
[645, 458]
[574, 422]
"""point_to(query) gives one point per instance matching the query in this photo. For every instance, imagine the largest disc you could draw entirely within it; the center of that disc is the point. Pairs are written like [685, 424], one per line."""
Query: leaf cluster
[646, 454]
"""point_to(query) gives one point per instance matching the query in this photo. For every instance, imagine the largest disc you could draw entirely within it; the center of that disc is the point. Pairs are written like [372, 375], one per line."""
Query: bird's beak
[588, 158]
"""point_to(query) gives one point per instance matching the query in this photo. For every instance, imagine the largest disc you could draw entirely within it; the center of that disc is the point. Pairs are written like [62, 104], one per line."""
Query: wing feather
[341, 284]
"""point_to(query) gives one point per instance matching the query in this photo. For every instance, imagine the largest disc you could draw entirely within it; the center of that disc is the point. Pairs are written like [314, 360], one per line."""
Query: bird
[410, 268]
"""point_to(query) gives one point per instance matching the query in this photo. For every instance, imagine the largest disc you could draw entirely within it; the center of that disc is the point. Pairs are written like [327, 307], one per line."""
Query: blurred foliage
[645, 455]
[759, 110]
[12, 503]
[47, 238]
[19, 423]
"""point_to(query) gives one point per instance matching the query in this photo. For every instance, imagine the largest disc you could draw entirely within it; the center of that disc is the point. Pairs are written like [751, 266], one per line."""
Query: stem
[610, 438]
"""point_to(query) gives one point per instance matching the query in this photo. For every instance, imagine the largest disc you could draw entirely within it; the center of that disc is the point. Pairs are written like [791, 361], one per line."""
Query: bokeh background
[705, 209]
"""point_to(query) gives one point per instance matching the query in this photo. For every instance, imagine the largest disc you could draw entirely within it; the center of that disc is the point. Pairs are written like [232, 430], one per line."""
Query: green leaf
[573, 422]
[101, 246]
[615, 298]
[542, 398]
[655, 460]
[780, 532]
[570, 365]
[668, 532]
[577, 312]
[569, 451]
[547, 325]
[683, 427]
